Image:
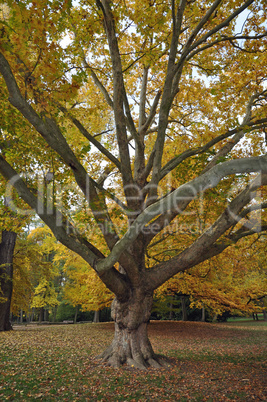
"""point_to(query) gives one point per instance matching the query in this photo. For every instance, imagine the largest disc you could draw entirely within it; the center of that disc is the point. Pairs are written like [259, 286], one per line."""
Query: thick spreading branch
[187, 191]
[174, 71]
[167, 98]
[218, 247]
[238, 133]
[226, 149]
[62, 228]
[205, 246]
[50, 131]
[118, 94]
[68, 235]
[165, 219]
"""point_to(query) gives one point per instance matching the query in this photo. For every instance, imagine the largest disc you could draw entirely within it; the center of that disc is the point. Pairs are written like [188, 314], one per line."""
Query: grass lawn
[210, 362]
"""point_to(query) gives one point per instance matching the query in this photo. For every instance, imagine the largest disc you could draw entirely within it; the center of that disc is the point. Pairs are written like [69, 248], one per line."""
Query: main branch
[187, 191]
[206, 245]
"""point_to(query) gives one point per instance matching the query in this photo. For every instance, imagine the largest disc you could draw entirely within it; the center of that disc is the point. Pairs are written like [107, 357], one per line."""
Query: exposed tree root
[133, 348]
[131, 345]
[138, 362]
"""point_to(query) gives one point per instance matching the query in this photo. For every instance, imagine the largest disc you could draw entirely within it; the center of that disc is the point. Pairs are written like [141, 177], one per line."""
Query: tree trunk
[203, 315]
[255, 316]
[96, 316]
[55, 314]
[41, 315]
[171, 312]
[76, 313]
[6, 277]
[214, 319]
[184, 313]
[131, 344]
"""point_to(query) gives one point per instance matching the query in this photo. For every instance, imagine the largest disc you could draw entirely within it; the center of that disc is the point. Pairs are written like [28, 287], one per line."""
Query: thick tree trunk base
[133, 348]
[131, 345]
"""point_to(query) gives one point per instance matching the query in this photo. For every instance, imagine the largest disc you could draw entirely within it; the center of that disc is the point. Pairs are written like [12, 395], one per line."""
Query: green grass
[210, 362]
[247, 321]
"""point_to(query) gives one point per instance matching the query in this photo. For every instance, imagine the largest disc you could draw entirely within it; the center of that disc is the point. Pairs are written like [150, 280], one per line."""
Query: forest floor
[210, 362]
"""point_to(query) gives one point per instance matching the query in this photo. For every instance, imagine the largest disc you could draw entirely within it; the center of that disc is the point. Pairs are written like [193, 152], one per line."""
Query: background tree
[24, 265]
[82, 287]
[36, 277]
[7, 246]
[10, 225]
[136, 80]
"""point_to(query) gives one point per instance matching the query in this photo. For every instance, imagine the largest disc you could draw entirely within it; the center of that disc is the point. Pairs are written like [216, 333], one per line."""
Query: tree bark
[55, 314]
[96, 316]
[255, 316]
[131, 344]
[203, 314]
[76, 313]
[6, 277]
[171, 312]
[41, 315]
[184, 313]
[46, 315]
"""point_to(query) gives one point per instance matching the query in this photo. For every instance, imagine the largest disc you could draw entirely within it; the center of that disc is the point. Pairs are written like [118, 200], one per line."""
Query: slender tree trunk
[184, 313]
[96, 316]
[131, 344]
[264, 314]
[255, 316]
[55, 314]
[171, 312]
[41, 314]
[203, 314]
[21, 317]
[6, 277]
[76, 313]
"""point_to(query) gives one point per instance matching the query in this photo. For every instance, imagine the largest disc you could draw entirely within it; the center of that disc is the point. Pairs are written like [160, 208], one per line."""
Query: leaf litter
[210, 362]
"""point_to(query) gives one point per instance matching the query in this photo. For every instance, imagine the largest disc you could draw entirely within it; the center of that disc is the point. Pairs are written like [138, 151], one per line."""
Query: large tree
[158, 90]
